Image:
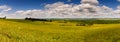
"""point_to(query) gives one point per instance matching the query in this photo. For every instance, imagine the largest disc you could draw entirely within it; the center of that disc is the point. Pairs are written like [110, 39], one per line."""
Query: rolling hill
[40, 31]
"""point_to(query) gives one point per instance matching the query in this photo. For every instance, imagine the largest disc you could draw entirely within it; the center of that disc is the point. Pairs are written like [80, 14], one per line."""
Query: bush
[80, 24]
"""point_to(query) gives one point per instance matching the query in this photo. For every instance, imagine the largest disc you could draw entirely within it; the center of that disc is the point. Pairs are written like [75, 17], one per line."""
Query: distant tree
[80, 24]
[4, 17]
[26, 18]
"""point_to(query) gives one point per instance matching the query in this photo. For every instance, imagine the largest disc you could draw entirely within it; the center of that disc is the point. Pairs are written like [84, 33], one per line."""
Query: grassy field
[27, 31]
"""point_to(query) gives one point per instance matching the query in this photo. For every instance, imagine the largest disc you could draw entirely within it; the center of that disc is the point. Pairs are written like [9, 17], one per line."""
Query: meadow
[59, 31]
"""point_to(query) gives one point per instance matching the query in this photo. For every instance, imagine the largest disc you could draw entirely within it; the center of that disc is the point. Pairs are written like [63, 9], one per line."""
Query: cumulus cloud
[92, 2]
[117, 11]
[4, 9]
[87, 9]
[59, 9]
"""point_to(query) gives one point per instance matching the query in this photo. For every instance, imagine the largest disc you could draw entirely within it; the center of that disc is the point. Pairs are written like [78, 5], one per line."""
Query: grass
[27, 31]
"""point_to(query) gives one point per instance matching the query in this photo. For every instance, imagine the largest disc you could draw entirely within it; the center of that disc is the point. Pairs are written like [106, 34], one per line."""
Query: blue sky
[31, 4]
[39, 4]
[60, 8]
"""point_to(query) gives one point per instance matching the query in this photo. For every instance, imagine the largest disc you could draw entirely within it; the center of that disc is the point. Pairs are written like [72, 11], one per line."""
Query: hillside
[38, 31]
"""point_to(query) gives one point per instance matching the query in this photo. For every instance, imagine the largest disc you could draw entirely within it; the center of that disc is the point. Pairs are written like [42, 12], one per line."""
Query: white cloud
[69, 0]
[4, 9]
[92, 2]
[119, 0]
[30, 13]
[118, 10]
[87, 9]
[118, 7]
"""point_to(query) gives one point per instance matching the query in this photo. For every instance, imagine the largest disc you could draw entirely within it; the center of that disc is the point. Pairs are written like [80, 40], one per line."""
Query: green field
[38, 31]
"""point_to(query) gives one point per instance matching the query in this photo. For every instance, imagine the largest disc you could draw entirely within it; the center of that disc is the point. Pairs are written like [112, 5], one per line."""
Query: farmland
[12, 30]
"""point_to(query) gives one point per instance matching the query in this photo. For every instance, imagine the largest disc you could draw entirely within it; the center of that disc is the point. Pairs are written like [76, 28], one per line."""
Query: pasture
[57, 31]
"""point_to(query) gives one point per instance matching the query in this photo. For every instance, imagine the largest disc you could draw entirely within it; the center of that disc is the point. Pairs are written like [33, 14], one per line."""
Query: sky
[60, 8]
